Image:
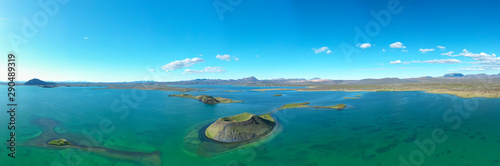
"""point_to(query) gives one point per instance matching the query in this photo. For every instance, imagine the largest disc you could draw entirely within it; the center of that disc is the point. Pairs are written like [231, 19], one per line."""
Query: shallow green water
[375, 130]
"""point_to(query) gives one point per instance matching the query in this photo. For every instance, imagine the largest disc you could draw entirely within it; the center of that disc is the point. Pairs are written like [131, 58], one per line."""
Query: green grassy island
[207, 99]
[277, 95]
[60, 142]
[306, 104]
[352, 97]
[242, 127]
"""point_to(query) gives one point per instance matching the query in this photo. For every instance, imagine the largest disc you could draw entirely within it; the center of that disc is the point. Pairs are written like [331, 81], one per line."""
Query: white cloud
[404, 50]
[395, 62]
[479, 58]
[201, 54]
[364, 45]
[236, 59]
[397, 45]
[443, 61]
[85, 38]
[383, 50]
[151, 69]
[448, 53]
[206, 70]
[320, 50]
[441, 47]
[329, 51]
[181, 64]
[426, 50]
[223, 57]
[435, 61]
[381, 64]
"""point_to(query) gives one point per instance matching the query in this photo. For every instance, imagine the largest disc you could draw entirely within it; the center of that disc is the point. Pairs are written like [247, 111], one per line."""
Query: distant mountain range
[252, 80]
[38, 82]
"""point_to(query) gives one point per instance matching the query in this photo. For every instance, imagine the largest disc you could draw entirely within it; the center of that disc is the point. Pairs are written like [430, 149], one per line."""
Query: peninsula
[207, 99]
[306, 104]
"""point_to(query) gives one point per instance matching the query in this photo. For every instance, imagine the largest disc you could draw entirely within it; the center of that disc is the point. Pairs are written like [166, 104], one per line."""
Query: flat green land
[208, 99]
[277, 95]
[237, 118]
[59, 142]
[306, 104]
[267, 117]
[465, 88]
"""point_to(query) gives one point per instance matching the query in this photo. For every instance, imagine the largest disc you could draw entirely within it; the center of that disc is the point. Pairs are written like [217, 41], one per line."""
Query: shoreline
[461, 94]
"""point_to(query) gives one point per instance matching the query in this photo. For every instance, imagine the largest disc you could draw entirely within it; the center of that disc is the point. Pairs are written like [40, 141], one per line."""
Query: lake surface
[381, 128]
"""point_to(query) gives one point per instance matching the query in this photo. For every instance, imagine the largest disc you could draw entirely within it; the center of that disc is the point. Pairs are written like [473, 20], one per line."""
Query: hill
[38, 82]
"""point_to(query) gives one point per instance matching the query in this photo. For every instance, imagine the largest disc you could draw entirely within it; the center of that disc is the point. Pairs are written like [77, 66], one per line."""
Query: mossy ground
[238, 118]
[59, 142]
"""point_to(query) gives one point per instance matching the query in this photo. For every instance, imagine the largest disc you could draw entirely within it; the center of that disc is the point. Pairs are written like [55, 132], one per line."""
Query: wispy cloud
[206, 70]
[448, 53]
[442, 48]
[435, 61]
[5, 19]
[181, 64]
[443, 61]
[322, 49]
[395, 62]
[397, 45]
[364, 45]
[426, 50]
[399, 68]
[482, 61]
[85, 38]
[224, 57]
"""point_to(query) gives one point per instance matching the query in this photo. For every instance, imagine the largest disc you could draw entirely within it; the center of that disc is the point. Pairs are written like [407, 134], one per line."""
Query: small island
[60, 142]
[207, 99]
[277, 95]
[306, 104]
[352, 97]
[242, 127]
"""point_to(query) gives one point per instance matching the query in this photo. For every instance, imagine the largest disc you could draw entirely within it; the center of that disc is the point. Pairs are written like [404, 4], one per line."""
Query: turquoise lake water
[381, 128]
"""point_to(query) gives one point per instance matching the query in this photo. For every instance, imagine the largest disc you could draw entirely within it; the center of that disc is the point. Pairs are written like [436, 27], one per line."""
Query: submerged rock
[239, 128]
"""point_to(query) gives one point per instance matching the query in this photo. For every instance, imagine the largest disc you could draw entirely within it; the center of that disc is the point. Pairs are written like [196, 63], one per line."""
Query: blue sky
[140, 40]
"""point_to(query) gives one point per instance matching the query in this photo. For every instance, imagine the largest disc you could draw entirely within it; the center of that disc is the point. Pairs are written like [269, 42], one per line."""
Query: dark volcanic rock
[238, 128]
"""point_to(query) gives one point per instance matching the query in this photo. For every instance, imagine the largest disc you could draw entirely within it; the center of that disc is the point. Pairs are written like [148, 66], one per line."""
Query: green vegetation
[240, 127]
[294, 105]
[59, 142]
[267, 117]
[306, 104]
[237, 118]
[466, 88]
[358, 95]
[277, 95]
[352, 97]
[207, 99]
